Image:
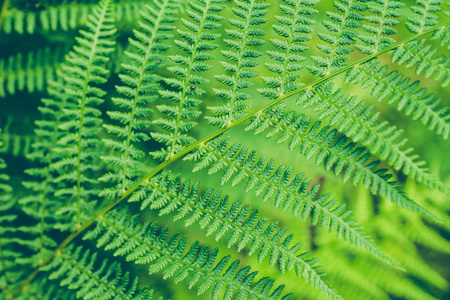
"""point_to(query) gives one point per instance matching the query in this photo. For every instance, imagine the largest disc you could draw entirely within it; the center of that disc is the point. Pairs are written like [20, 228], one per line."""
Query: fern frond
[425, 15]
[293, 30]
[171, 255]
[360, 124]
[40, 203]
[342, 157]
[340, 36]
[237, 164]
[443, 34]
[137, 91]
[197, 44]
[241, 54]
[383, 18]
[30, 72]
[169, 194]
[423, 55]
[395, 88]
[79, 146]
[77, 270]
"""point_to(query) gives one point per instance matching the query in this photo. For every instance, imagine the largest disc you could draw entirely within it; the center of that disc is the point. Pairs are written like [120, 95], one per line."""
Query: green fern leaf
[138, 90]
[359, 123]
[293, 29]
[395, 88]
[77, 270]
[342, 33]
[343, 158]
[197, 44]
[145, 244]
[238, 164]
[426, 15]
[423, 55]
[65, 16]
[217, 217]
[79, 147]
[383, 18]
[241, 59]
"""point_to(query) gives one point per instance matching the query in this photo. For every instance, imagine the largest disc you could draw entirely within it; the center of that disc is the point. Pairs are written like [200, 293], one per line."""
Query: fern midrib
[215, 134]
[83, 106]
[90, 274]
[148, 53]
[259, 237]
[239, 64]
[304, 198]
[417, 102]
[186, 82]
[181, 261]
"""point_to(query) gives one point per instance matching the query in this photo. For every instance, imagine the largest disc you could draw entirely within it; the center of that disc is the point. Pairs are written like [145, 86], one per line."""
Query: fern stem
[213, 135]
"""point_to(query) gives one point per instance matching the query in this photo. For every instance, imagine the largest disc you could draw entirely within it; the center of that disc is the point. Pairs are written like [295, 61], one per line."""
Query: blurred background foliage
[30, 56]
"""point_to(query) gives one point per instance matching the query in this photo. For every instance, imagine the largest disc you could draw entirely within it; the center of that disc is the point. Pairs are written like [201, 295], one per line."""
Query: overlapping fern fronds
[221, 217]
[198, 80]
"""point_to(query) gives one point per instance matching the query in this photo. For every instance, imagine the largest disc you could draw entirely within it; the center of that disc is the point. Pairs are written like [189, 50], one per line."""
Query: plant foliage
[272, 140]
